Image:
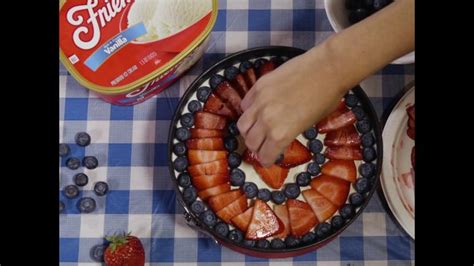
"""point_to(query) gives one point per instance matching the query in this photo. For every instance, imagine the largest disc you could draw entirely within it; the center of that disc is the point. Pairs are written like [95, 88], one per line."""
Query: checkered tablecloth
[130, 143]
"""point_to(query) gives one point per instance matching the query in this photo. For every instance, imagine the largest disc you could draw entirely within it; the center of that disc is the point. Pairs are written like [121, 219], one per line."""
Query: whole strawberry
[124, 250]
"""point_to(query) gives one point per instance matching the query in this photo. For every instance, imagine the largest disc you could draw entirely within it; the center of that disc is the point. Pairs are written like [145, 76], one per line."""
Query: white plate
[398, 177]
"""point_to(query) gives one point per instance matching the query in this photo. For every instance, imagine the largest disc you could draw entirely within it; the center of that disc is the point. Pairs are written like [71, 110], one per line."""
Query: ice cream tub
[126, 51]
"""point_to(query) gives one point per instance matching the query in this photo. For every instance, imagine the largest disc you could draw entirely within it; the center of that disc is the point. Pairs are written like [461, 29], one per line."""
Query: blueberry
[61, 206]
[249, 243]
[231, 72]
[230, 143]
[368, 4]
[352, 4]
[86, 205]
[278, 197]
[233, 129]
[197, 207]
[315, 145]
[71, 191]
[73, 163]
[367, 170]
[63, 149]
[303, 179]
[187, 120]
[358, 15]
[259, 62]
[222, 229]
[263, 243]
[319, 158]
[203, 93]
[292, 190]
[323, 230]
[208, 218]
[237, 177]
[351, 100]
[292, 241]
[244, 66]
[215, 80]
[101, 188]
[234, 160]
[310, 133]
[356, 199]
[90, 162]
[182, 134]
[97, 253]
[363, 126]
[277, 243]
[362, 185]
[184, 180]
[189, 194]
[277, 60]
[379, 4]
[180, 148]
[337, 222]
[264, 194]
[369, 154]
[82, 139]
[250, 189]
[236, 236]
[308, 237]
[367, 139]
[80, 179]
[279, 159]
[359, 113]
[180, 164]
[194, 106]
[313, 169]
[347, 211]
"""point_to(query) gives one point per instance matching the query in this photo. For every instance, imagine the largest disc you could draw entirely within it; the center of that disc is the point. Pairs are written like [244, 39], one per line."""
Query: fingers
[248, 99]
[255, 137]
[268, 153]
[246, 121]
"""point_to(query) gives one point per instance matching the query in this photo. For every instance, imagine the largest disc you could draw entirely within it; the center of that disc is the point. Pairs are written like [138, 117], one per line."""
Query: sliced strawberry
[217, 106]
[322, 207]
[281, 212]
[295, 154]
[206, 181]
[235, 208]
[411, 112]
[411, 133]
[249, 157]
[216, 203]
[346, 136]
[413, 157]
[250, 77]
[240, 85]
[336, 120]
[229, 96]
[211, 168]
[266, 68]
[332, 188]
[302, 218]
[242, 220]
[210, 144]
[274, 176]
[343, 153]
[213, 191]
[201, 156]
[264, 222]
[344, 169]
[411, 123]
[209, 120]
[198, 133]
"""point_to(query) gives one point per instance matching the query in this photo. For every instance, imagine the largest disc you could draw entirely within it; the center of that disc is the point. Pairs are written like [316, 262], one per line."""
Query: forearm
[369, 45]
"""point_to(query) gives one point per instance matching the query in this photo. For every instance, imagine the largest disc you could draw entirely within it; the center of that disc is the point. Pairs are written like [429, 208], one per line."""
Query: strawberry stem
[117, 240]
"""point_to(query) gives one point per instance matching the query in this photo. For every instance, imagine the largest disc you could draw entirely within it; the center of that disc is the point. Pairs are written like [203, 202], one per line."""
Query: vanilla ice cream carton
[126, 51]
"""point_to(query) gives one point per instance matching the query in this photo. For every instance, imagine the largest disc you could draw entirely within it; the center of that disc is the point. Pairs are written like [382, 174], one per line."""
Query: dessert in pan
[312, 192]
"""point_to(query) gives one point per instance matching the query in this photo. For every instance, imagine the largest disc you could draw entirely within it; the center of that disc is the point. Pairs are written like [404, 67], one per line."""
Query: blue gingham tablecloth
[130, 143]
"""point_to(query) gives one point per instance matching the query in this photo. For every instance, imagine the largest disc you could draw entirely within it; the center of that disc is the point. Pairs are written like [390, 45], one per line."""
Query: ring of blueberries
[291, 190]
